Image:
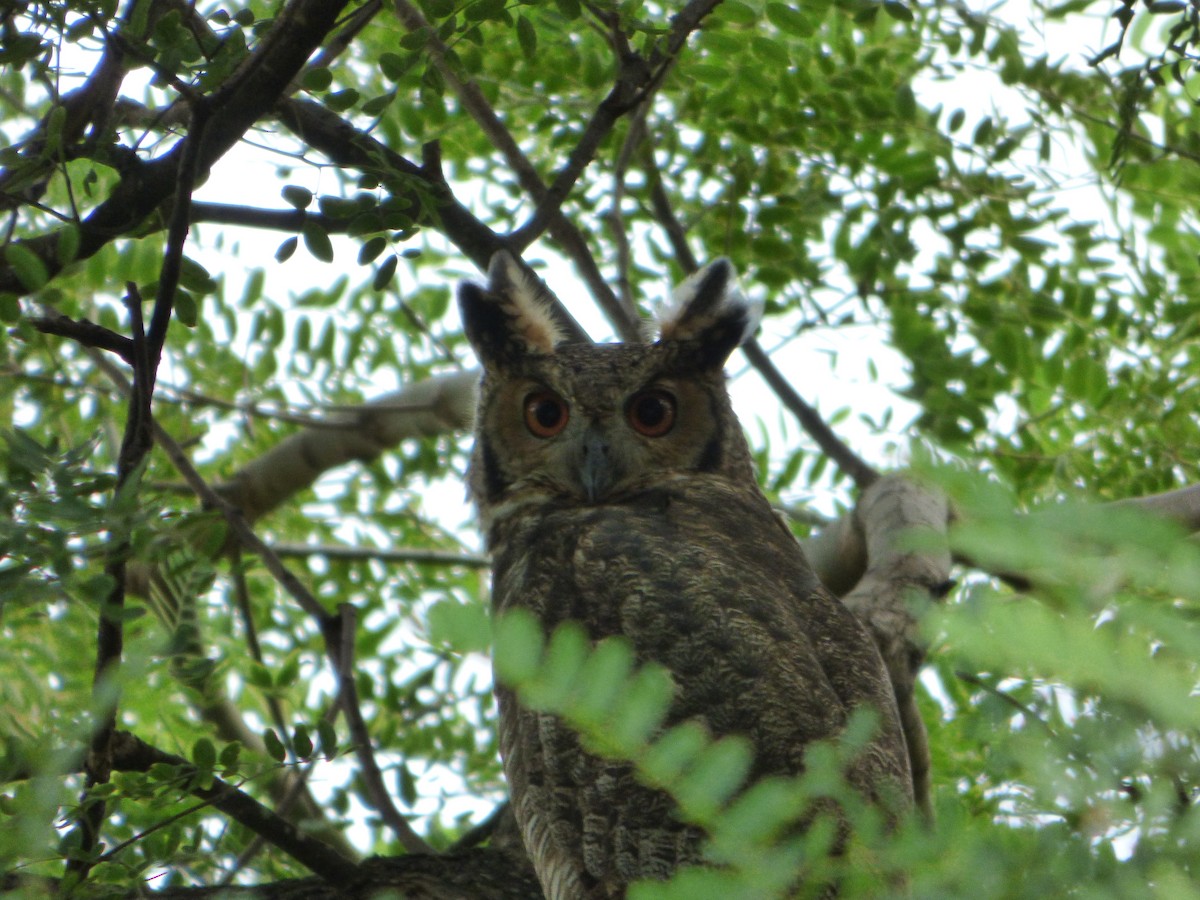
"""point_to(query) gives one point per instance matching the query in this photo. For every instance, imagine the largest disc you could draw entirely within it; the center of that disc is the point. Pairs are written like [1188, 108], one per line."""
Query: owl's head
[570, 422]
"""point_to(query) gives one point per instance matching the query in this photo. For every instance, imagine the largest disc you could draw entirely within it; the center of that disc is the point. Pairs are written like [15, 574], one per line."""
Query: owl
[616, 489]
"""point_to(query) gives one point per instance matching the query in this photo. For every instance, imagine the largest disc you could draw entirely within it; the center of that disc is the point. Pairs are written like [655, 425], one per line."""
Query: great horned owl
[616, 489]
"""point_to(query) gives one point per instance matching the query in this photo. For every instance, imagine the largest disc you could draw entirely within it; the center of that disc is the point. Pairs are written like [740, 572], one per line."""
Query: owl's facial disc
[592, 449]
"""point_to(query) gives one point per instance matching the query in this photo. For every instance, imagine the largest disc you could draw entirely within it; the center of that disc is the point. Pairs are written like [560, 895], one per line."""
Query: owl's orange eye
[652, 412]
[546, 414]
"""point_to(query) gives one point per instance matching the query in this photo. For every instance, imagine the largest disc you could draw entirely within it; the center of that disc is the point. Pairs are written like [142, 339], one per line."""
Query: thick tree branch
[1181, 505]
[439, 405]
[285, 220]
[901, 579]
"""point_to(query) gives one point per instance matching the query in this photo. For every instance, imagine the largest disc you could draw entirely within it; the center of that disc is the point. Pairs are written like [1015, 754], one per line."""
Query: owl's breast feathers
[701, 577]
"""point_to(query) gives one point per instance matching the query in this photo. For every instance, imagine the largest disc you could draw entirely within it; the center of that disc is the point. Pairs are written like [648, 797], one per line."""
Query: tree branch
[248, 94]
[403, 555]
[130, 754]
[136, 444]
[568, 237]
[637, 81]
[341, 641]
[860, 472]
[86, 333]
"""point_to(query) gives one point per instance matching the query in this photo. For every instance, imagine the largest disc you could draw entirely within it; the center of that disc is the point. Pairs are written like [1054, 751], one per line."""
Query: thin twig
[638, 79]
[633, 140]
[664, 213]
[341, 636]
[84, 332]
[403, 555]
[134, 755]
[568, 237]
[860, 471]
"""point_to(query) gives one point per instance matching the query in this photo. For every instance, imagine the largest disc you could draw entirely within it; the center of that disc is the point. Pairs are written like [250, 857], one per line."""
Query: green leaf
[327, 738]
[565, 656]
[789, 19]
[230, 759]
[316, 239]
[204, 753]
[897, 10]
[186, 308]
[10, 307]
[371, 249]
[286, 249]
[642, 709]
[518, 644]
[483, 10]
[386, 273]
[527, 36]
[195, 277]
[674, 752]
[301, 742]
[274, 746]
[68, 244]
[316, 80]
[395, 66]
[339, 207]
[298, 197]
[737, 13]
[27, 266]
[718, 771]
[377, 105]
[340, 101]
[603, 679]
[416, 40]
[464, 627]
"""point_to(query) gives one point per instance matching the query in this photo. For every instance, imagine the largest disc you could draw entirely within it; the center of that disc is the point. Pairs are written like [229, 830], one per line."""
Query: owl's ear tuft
[711, 313]
[511, 317]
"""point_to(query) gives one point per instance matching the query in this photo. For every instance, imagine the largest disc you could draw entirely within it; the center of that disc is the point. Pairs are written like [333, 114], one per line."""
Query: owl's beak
[596, 468]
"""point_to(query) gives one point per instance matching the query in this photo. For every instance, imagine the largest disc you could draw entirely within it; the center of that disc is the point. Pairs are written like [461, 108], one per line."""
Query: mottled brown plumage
[616, 489]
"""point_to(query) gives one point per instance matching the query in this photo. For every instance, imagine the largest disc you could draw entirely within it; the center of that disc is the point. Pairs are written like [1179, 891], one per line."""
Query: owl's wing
[702, 580]
[590, 828]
